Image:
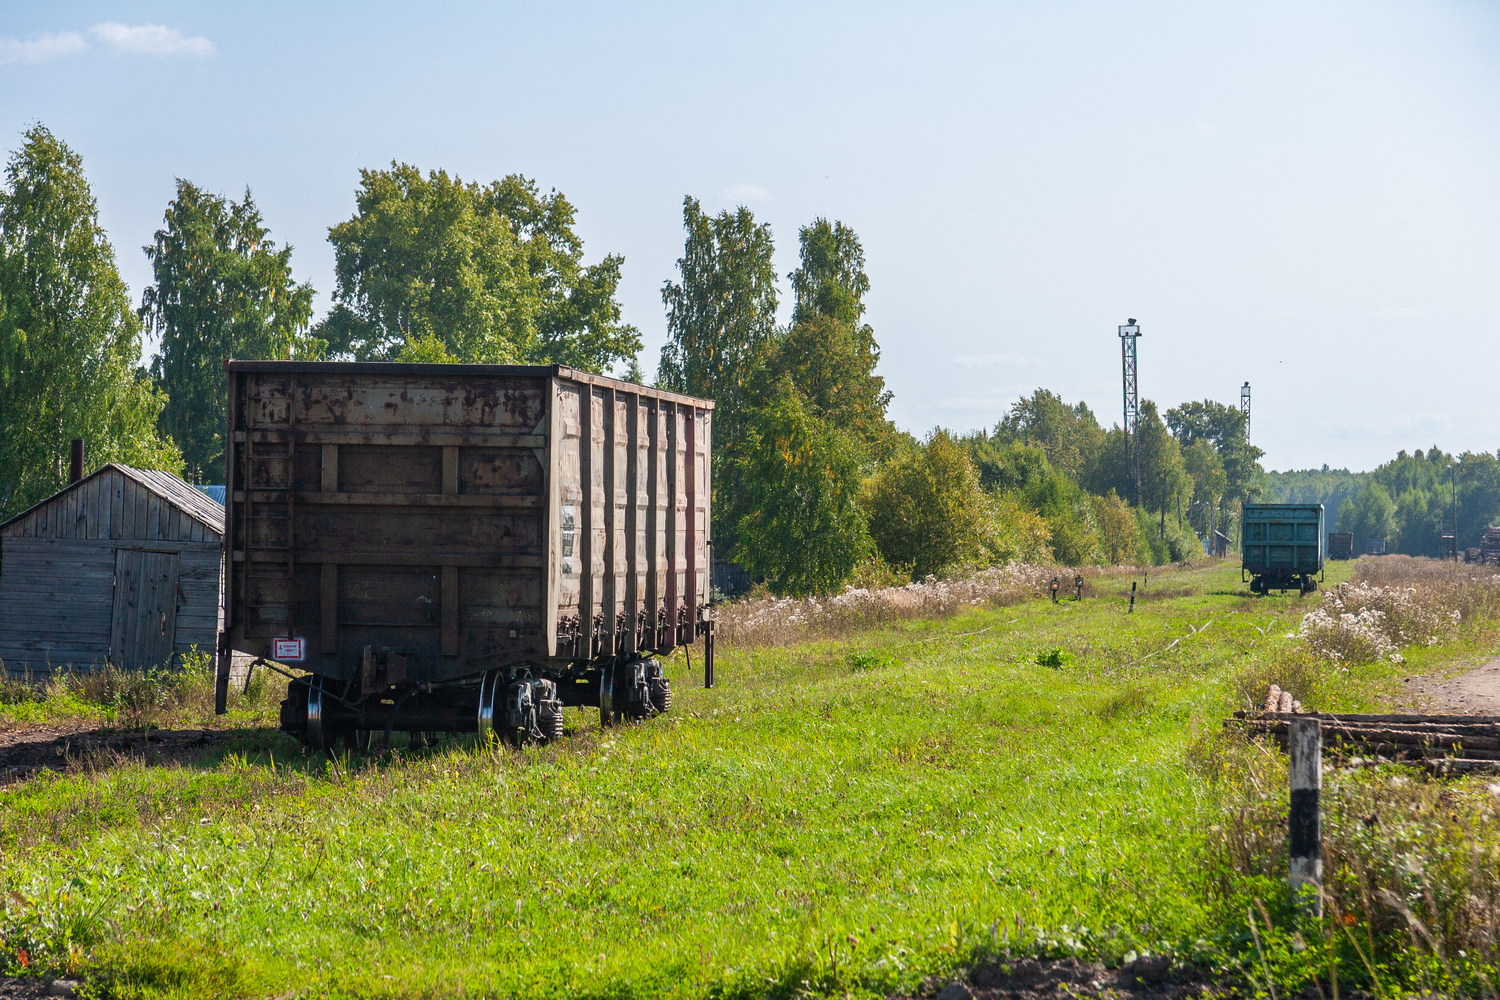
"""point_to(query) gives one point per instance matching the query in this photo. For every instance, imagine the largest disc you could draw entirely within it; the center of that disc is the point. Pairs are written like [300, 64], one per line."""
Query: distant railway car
[463, 548]
[1282, 546]
[1340, 545]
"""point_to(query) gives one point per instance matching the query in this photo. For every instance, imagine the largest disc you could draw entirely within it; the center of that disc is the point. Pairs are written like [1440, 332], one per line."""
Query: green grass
[837, 816]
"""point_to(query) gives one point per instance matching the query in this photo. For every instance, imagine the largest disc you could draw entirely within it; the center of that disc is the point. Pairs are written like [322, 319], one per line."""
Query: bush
[927, 511]
[1358, 622]
[1020, 534]
[1069, 516]
[1119, 538]
[804, 531]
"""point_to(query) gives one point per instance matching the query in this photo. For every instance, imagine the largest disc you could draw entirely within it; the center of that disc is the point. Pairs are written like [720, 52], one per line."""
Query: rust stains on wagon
[462, 547]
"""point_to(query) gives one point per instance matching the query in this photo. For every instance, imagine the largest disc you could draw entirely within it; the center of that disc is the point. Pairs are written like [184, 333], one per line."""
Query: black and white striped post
[1305, 747]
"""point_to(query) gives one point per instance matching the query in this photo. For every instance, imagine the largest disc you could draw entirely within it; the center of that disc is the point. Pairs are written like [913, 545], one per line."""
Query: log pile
[1443, 744]
[1281, 701]
[1489, 546]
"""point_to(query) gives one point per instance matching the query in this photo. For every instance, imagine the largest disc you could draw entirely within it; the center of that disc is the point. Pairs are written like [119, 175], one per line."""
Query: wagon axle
[322, 712]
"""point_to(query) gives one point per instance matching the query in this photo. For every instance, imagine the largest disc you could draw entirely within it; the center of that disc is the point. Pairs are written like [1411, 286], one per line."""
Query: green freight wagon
[1282, 545]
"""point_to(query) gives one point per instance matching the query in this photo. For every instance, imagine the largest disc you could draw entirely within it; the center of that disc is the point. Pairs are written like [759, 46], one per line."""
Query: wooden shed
[124, 566]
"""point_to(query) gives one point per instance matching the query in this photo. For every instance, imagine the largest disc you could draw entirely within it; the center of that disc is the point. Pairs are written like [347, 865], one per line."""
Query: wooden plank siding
[58, 570]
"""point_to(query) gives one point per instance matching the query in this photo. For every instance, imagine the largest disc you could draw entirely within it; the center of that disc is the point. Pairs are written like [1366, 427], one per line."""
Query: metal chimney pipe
[75, 465]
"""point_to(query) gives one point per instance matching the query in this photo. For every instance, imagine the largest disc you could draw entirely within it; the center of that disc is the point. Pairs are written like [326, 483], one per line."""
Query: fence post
[1305, 747]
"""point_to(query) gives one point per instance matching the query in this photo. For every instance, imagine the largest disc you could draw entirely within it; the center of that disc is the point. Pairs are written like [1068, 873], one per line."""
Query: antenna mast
[1245, 406]
[1129, 334]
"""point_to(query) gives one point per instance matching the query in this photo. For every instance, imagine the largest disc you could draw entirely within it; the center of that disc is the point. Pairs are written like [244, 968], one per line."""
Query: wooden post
[1132, 596]
[1305, 746]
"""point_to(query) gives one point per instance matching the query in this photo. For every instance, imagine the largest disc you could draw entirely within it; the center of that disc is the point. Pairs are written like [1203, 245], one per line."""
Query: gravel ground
[1474, 693]
[28, 988]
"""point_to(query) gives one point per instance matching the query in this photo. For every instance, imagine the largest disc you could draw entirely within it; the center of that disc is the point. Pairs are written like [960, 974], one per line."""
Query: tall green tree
[69, 341]
[436, 268]
[830, 279]
[802, 529]
[1165, 482]
[1224, 426]
[1370, 516]
[829, 353]
[1069, 434]
[721, 315]
[222, 289]
[1209, 484]
[721, 322]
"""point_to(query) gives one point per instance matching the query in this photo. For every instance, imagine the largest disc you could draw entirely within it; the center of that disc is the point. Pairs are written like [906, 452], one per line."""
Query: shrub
[1119, 538]
[804, 531]
[1020, 534]
[1359, 622]
[926, 509]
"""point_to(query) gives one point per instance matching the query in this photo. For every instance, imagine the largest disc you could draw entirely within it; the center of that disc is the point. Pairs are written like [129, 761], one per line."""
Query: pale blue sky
[1303, 194]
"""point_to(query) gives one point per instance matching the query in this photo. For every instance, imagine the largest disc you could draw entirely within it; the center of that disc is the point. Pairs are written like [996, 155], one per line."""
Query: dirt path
[1474, 693]
[25, 750]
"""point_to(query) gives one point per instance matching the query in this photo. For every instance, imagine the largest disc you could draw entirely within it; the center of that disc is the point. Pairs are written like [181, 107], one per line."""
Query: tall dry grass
[1410, 865]
[761, 619]
[1392, 602]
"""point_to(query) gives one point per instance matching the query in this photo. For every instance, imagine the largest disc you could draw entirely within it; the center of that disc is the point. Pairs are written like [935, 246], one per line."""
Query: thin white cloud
[40, 48]
[139, 39]
[746, 192]
[150, 40]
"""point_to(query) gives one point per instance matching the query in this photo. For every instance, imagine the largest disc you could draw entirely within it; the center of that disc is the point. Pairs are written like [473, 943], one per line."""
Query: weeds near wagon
[763, 620]
[132, 697]
[1395, 602]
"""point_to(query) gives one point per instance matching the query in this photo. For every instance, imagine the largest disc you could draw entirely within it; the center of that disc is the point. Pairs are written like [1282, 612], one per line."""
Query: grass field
[844, 815]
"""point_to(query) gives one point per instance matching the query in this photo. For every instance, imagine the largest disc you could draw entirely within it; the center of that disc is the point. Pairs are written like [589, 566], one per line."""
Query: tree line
[1408, 503]
[814, 486]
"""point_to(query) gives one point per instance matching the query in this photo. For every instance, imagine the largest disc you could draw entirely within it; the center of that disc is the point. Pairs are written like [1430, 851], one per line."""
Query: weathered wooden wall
[59, 563]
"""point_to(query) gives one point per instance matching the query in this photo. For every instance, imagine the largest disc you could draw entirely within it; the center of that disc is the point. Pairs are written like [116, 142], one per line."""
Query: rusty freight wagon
[463, 548]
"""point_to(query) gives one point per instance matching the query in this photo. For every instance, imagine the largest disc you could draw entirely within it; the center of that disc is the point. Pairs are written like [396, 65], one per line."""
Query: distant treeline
[1409, 502]
[814, 486]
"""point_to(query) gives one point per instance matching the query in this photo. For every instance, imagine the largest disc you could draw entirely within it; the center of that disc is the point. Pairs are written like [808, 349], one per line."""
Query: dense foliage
[222, 290]
[438, 269]
[69, 341]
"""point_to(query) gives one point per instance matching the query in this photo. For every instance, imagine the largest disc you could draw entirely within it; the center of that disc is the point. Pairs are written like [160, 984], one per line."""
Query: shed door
[145, 615]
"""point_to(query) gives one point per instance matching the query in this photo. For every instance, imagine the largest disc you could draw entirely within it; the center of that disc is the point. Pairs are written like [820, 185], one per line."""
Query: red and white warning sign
[289, 650]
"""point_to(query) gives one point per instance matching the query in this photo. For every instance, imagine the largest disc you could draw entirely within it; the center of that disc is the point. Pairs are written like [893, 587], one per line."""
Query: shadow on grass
[92, 748]
[75, 747]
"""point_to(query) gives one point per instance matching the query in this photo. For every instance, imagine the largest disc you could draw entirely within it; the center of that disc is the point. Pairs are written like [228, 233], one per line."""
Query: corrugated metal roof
[214, 493]
[165, 485]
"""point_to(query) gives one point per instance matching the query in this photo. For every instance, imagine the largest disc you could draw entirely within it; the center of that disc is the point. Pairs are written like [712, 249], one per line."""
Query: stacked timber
[1444, 744]
[1489, 546]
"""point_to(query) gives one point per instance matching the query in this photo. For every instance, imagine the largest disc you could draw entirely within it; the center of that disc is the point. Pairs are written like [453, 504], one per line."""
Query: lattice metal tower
[1129, 334]
[1245, 406]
